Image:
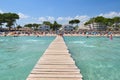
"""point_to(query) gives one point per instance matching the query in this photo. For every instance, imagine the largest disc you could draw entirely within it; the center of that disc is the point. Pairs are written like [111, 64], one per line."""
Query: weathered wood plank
[56, 64]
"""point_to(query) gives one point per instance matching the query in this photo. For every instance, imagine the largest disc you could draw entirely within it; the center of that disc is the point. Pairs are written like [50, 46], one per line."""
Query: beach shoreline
[37, 34]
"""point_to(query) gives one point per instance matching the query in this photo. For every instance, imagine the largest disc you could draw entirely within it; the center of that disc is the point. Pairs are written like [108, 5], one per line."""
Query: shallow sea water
[18, 55]
[98, 58]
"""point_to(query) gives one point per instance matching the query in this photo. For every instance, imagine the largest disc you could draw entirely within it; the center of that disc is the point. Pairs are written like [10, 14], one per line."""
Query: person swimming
[87, 36]
[111, 37]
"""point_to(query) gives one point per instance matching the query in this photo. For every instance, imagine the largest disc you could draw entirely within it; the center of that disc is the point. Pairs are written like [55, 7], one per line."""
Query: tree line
[110, 22]
[35, 26]
[53, 26]
[9, 20]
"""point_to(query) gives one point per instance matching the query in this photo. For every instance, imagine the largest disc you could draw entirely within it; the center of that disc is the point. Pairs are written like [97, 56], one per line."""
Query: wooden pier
[55, 64]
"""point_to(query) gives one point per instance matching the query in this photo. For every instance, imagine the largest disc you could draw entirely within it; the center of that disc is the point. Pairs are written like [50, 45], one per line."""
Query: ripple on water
[18, 55]
[97, 57]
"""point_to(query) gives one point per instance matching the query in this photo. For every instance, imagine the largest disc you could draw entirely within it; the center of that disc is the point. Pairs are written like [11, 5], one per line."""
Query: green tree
[18, 27]
[99, 19]
[48, 23]
[56, 26]
[10, 19]
[75, 21]
[35, 26]
[28, 25]
[1, 20]
[89, 21]
[109, 21]
[71, 22]
[116, 19]
[116, 24]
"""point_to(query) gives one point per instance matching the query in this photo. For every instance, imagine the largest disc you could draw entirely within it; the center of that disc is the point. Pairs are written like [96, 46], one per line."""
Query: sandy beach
[37, 34]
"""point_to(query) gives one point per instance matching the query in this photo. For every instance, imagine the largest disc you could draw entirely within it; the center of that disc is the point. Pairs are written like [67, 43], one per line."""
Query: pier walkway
[55, 64]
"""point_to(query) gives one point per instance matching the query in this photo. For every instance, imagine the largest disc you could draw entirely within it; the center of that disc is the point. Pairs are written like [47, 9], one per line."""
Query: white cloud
[68, 18]
[110, 15]
[47, 18]
[60, 18]
[63, 20]
[1, 11]
[41, 19]
[50, 18]
[23, 16]
[82, 18]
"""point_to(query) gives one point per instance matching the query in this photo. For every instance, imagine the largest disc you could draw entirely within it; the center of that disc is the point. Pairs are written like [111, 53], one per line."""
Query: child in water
[111, 37]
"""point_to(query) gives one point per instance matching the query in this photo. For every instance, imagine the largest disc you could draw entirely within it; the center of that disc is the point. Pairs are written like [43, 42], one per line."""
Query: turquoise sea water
[18, 55]
[97, 57]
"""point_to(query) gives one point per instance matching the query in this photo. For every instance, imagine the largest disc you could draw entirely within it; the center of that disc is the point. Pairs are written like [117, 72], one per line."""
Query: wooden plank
[56, 64]
[56, 69]
[55, 75]
[54, 79]
[72, 72]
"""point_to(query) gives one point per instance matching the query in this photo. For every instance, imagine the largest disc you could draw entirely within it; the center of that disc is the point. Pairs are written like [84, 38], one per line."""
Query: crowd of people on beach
[60, 33]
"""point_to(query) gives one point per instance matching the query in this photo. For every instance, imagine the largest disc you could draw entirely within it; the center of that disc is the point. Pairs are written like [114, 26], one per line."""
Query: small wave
[89, 46]
[1, 40]
[82, 42]
[32, 40]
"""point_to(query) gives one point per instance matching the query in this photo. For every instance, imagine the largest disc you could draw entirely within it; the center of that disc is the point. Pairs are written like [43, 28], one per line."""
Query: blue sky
[36, 11]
